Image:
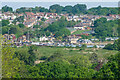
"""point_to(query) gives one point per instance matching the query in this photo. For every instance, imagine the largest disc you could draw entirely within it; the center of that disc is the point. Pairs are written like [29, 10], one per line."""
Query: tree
[59, 69]
[11, 66]
[99, 21]
[43, 19]
[68, 9]
[5, 22]
[109, 47]
[6, 9]
[63, 32]
[56, 7]
[53, 27]
[111, 69]
[82, 61]
[102, 10]
[104, 28]
[55, 56]
[32, 56]
[86, 37]
[94, 58]
[79, 8]
[114, 46]
[21, 25]
[22, 54]
[19, 19]
[13, 30]
[4, 30]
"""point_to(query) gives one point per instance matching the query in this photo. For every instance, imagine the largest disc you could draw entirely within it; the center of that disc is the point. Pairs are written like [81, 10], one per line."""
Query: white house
[78, 27]
[43, 38]
[35, 43]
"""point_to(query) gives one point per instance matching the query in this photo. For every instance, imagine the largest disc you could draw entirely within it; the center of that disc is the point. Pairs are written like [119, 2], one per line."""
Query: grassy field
[48, 51]
[80, 31]
[71, 29]
[46, 54]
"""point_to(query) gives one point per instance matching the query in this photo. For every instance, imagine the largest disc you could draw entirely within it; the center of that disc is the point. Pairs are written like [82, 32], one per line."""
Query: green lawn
[71, 29]
[68, 52]
[48, 51]
[80, 31]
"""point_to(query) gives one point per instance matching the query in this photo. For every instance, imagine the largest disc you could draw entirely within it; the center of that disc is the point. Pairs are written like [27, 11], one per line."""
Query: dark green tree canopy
[104, 28]
[57, 8]
[79, 8]
[6, 9]
[102, 10]
[21, 25]
[68, 9]
[5, 22]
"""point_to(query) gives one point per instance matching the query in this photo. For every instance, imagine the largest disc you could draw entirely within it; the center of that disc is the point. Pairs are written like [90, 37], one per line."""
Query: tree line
[104, 28]
[76, 9]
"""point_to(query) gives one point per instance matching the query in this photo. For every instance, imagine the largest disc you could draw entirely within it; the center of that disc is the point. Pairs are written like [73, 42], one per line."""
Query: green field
[48, 51]
[80, 31]
[71, 29]
[60, 61]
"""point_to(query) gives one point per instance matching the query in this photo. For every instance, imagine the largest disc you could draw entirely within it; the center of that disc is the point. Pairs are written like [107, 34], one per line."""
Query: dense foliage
[34, 10]
[76, 9]
[5, 22]
[59, 28]
[104, 28]
[57, 65]
[111, 69]
[6, 9]
[12, 67]
[18, 30]
[102, 10]
[59, 69]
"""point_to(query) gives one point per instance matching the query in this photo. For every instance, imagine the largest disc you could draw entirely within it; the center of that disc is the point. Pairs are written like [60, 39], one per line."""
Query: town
[31, 19]
[70, 41]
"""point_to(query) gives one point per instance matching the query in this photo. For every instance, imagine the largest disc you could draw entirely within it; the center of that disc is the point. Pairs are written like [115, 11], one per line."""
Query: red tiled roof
[29, 13]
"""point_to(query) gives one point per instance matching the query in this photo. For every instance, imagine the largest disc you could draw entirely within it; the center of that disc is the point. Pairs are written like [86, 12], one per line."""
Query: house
[90, 46]
[79, 26]
[43, 38]
[94, 39]
[72, 45]
[52, 15]
[85, 41]
[100, 46]
[88, 28]
[28, 14]
[35, 43]
[111, 39]
[8, 15]
[50, 20]
[10, 37]
[73, 38]
[41, 14]
[23, 38]
[51, 39]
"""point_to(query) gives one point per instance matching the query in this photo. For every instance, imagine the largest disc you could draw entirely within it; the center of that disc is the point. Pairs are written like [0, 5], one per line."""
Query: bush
[43, 58]
[109, 47]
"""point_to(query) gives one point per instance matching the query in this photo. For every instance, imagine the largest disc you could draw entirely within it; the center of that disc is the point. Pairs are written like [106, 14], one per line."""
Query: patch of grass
[48, 51]
[80, 31]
